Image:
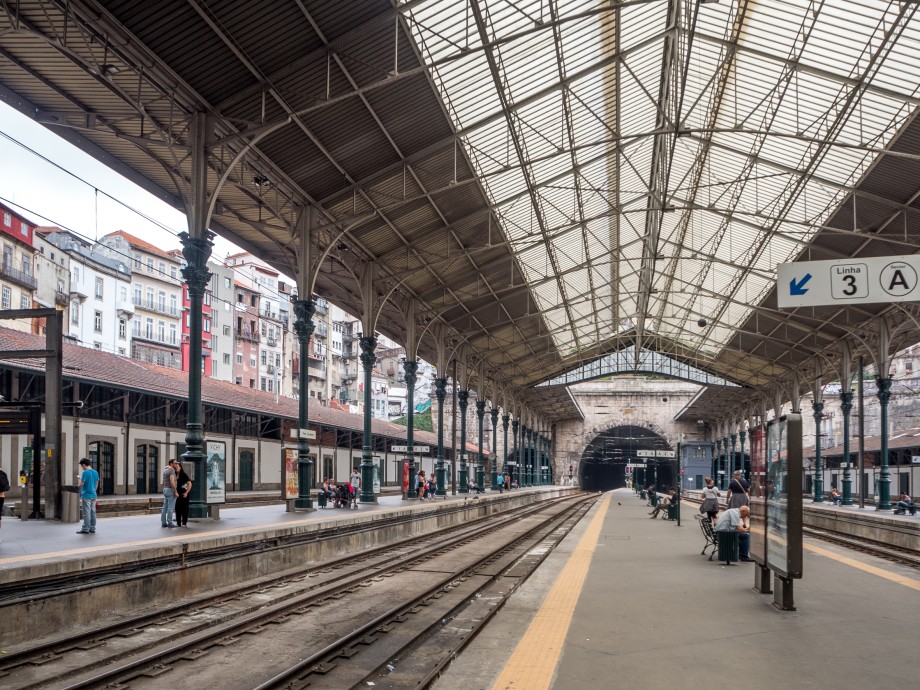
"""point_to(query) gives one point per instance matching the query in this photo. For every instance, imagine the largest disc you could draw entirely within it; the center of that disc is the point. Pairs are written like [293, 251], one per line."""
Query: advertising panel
[758, 495]
[783, 491]
[216, 471]
[291, 488]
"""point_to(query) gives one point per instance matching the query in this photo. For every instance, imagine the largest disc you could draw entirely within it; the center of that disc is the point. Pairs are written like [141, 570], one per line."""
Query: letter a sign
[878, 279]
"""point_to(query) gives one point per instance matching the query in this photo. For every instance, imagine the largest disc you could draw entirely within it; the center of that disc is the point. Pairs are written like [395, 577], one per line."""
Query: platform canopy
[552, 181]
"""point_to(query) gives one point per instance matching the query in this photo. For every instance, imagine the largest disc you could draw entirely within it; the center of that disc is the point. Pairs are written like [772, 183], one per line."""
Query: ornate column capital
[818, 408]
[846, 402]
[480, 409]
[515, 425]
[196, 251]
[884, 389]
[505, 419]
[440, 389]
[303, 321]
[463, 400]
[410, 367]
[368, 358]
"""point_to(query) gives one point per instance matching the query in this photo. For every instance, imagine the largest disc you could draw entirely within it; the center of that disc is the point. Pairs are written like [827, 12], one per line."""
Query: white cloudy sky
[46, 195]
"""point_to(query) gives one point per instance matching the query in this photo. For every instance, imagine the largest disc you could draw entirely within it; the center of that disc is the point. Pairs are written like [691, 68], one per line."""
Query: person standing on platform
[89, 487]
[738, 491]
[500, 480]
[4, 487]
[169, 495]
[710, 496]
[355, 481]
[736, 520]
[184, 484]
[421, 484]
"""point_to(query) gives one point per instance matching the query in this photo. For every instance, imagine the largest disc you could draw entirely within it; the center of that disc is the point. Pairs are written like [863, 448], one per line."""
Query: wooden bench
[708, 534]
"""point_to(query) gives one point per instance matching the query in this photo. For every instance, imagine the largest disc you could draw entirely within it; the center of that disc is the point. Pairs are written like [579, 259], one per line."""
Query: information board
[783, 492]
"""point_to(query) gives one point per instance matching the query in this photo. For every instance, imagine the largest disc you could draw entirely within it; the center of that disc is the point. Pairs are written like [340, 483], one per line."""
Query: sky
[90, 198]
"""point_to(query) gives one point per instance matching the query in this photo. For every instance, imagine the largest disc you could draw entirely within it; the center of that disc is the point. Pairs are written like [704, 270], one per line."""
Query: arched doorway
[102, 456]
[603, 464]
[147, 459]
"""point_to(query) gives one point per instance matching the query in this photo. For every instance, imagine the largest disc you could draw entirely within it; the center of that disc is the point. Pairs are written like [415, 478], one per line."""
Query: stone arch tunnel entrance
[603, 462]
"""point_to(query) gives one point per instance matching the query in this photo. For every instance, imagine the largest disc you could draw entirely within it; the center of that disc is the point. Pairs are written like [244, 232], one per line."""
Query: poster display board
[291, 487]
[783, 493]
[216, 472]
[758, 495]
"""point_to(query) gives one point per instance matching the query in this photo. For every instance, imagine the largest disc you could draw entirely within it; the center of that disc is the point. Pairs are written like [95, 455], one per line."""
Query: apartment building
[246, 336]
[100, 308]
[17, 275]
[223, 299]
[156, 291]
[52, 273]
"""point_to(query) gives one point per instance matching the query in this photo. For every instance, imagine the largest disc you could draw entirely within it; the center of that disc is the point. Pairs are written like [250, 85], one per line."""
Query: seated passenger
[664, 502]
[904, 502]
[736, 519]
[835, 495]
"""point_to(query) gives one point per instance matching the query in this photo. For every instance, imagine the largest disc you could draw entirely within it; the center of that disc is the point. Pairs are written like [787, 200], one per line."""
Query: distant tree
[421, 421]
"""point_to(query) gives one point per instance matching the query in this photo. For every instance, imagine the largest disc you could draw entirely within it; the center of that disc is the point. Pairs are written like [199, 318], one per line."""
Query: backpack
[4, 482]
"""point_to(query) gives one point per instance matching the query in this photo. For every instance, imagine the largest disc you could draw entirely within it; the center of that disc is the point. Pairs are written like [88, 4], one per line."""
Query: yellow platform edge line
[865, 567]
[534, 660]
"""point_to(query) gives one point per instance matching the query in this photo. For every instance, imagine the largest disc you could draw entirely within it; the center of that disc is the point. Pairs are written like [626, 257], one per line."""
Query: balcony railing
[22, 278]
[62, 298]
[152, 305]
[151, 338]
[271, 341]
[247, 334]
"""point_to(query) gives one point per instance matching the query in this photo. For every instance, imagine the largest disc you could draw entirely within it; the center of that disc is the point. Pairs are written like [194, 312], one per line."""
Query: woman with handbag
[183, 487]
[710, 504]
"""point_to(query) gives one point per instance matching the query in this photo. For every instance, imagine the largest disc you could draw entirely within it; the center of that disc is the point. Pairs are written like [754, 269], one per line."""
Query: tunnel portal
[603, 462]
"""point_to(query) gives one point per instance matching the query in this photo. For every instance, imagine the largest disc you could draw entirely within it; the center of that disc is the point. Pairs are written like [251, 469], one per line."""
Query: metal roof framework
[552, 181]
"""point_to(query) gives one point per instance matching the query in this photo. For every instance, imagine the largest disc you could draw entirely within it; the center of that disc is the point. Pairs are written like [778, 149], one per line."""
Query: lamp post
[884, 477]
[506, 418]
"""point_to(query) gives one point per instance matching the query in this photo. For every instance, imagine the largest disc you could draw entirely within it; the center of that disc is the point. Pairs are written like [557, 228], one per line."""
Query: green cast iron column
[846, 406]
[440, 475]
[884, 478]
[463, 398]
[515, 426]
[818, 408]
[506, 419]
[741, 436]
[529, 456]
[303, 328]
[728, 464]
[410, 368]
[368, 358]
[196, 251]
[714, 462]
[734, 456]
[480, 414]
[493, 413]
[525, 458]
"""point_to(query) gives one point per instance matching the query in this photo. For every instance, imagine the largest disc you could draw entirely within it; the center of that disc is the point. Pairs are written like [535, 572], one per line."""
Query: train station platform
[34, 550]
[627, 601]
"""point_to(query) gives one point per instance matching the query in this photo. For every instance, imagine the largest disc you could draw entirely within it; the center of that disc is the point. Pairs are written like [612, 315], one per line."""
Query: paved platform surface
[629, 602]
[36, 542]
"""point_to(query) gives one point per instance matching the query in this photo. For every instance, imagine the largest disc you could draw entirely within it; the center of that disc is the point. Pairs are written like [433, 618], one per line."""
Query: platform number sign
[848, 281]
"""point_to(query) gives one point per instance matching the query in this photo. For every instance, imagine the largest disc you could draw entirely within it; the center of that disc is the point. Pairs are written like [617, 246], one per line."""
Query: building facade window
[149, 265]
[99, 287]
[226, 358]
[173, 304]
[173, 272]
[239, 357]
[137, 261]
[74, 313]
[148, 331]
[7, 296]
[122, 329]
[97, 321]
[25, 302]
[172, 334]
[161, 331]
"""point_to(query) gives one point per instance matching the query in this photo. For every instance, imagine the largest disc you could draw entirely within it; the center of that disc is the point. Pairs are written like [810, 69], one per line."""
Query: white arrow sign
[839, 282]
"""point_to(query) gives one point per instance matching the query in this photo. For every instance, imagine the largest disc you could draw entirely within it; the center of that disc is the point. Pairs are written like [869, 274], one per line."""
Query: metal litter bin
[642, 494]
[322, 500]
[727, 543]
[70, 503]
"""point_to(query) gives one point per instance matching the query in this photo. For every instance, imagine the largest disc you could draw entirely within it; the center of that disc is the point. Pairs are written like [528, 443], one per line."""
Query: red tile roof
[87, 364]
[141, 244]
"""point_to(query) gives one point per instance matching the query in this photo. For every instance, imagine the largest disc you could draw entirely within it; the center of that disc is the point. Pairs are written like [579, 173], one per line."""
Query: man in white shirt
[736, 520]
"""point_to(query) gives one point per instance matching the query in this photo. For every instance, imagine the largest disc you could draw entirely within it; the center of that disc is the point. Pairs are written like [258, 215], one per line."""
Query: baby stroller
[345, 497]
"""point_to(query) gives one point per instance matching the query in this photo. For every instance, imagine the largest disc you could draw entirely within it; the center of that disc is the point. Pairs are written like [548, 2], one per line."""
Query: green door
[247, 470]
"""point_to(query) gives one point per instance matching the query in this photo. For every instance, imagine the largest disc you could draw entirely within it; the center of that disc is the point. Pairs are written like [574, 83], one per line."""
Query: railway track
[133, 652]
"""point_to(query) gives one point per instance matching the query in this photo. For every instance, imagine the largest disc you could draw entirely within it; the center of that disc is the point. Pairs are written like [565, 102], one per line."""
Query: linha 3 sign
[839, 282]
